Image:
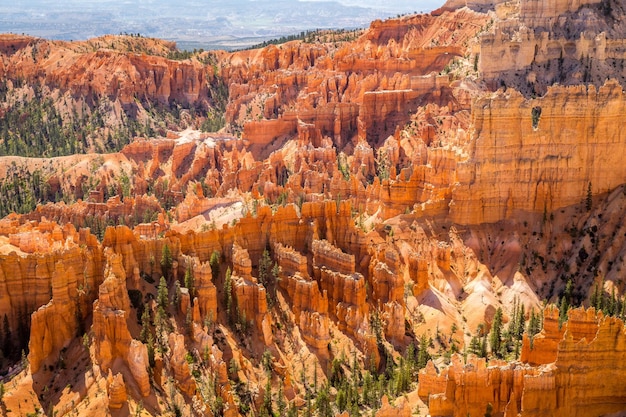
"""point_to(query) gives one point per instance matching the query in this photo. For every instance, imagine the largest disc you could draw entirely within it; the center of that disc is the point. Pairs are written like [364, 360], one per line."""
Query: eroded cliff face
[553, 148]
[551, 383]
[121, 69]
[358, 91]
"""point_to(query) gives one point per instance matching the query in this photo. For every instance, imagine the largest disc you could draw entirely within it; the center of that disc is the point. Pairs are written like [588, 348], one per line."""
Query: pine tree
[145, 325]
[280, 401]
[265, 263]
[521, 322]
[163, 294]
[496, 333]
[488, 410]
[534, 325]
[189, 281]
[150, 348]
[565, 302]
[423, 356]
[474, 346]
[266, 407]
[293, 411]
[177, 294]
[322, 403]
[215, 264]
[563, 308]
[341, 399]
[611, 302]
[166, 261]
[228, 296]
[594, 297]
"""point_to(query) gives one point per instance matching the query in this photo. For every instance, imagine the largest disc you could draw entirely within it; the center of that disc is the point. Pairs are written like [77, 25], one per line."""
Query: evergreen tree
[423, 356]
[521, 324]
[177, 295]
[265, 264]
[150, 348]
[563, 308]
[214, 261]
[597, 299]
[293, 411]
[266, 407]
[145, 325]
[166, 261]
[565, 302]
[163, 294]
[341, 399]
[280, 401]
[495, 336]
[611, 303]
[322, 403]
[189, 281]
[534, 324]
[228, 296]
[474, 346]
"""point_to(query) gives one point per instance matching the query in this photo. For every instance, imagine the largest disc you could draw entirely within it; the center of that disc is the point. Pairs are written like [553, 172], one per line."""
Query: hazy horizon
[207, 24]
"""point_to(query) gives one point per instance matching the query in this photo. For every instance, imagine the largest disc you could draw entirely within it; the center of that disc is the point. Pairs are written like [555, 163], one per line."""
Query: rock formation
[116, 390]
[179, 365]
[111, 335]
[250, 296]
[589, 346]
[55, 324]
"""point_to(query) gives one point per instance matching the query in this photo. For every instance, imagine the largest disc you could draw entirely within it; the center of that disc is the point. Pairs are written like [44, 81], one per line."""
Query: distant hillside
[207, 25]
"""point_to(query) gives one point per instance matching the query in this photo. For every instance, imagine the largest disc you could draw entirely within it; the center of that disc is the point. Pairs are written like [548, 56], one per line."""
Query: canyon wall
[518, 164]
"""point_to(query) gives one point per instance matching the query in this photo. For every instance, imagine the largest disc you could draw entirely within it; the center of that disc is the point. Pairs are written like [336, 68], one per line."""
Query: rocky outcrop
[52, 272]
[387, 283]
[540, 13]
[54, 325]
[116, 389]
[591, 345]
[178, 364]
[91, 69]
[205, 290]
[543, 347]
[361, 89]
[308, 303]
[290, 261]
[403, 409]
[112, 338]
[250, 296]
[332, 258]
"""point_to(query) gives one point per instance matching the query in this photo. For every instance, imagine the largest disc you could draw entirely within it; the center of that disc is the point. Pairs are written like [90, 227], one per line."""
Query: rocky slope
[361, 204]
